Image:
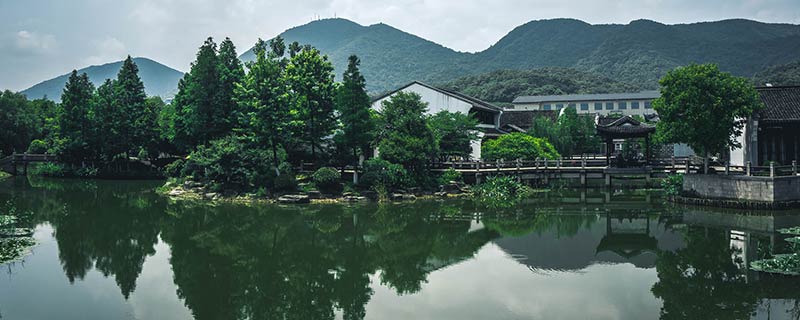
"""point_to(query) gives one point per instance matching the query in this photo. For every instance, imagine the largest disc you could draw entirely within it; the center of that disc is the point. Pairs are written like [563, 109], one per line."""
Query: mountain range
[159, 79]
[638, 53]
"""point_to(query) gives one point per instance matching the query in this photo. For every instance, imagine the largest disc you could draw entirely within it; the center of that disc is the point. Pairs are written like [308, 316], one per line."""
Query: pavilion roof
[623, 127]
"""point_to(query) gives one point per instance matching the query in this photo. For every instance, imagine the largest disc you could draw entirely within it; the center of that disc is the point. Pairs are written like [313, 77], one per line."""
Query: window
[623, 105]
[585, 106]
[571, 105]
[648, 105]
[546, 107]
[635, 105]
[559, 106]
[598, 106]
[609, 106]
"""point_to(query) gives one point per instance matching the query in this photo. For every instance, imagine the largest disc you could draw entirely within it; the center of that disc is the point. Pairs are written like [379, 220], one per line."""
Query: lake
[117, 250]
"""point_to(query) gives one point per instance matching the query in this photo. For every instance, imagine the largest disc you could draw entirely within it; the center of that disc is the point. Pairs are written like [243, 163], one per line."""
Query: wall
[437, 101]
[778, 189]
[641, 111]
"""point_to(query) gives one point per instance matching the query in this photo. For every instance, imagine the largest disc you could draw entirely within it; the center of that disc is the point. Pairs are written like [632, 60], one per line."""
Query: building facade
[439, 99]
[773, 133]
[639, 103]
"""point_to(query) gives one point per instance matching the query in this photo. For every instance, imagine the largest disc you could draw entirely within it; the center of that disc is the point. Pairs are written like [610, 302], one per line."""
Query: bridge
[11, 163]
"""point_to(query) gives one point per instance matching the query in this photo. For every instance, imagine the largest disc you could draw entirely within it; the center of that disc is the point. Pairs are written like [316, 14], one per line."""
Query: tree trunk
[275, 158]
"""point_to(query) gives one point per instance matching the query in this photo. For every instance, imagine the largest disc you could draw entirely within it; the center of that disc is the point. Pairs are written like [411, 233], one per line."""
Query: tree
[74, 119]
[196, 100]
[19, 123]
[405, 137]
[575, 134]
[518, 146]
[454, 133]
[263, 97]
[108, 123]
[231, 72]
[135, 124]
[702, 107]
[309, 76]
[353, 105]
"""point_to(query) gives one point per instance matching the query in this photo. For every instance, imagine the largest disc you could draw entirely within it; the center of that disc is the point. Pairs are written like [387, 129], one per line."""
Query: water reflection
[329, 261]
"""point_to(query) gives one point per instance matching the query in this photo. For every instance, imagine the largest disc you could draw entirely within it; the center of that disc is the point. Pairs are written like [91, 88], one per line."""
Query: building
[639, 103]
[771, 134]
[439, 99]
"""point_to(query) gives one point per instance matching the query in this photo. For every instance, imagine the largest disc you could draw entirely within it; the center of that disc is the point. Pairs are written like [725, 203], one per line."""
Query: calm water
[116, 250]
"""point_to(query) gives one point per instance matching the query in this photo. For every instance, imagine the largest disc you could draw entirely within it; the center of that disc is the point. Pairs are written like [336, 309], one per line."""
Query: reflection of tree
[521, 224]
[249, 263]
[702, 281]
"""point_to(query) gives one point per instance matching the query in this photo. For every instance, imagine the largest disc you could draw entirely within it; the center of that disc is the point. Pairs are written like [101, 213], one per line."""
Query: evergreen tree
[196, 100]
[353, 106]
[231, 72]
[19, 123]
[108, 121]
[405, 136]
[454, 132]
[309, 76]
[136, 126]
[74, 119]
[263, 97]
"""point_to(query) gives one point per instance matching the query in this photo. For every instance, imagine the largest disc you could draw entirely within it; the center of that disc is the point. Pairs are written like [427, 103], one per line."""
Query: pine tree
[353, 106]
[108, 122]
[74, 119]
[197, 99]
[309, 76]
[231, 72]
[136, 126]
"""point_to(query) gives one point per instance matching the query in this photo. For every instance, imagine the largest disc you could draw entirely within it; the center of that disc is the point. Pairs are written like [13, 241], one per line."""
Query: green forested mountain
[159, 80]
[780, 75]
[639, 52]
[505, 85]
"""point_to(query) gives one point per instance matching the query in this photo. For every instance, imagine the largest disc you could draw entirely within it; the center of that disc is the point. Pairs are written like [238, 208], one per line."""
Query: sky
[42, 39]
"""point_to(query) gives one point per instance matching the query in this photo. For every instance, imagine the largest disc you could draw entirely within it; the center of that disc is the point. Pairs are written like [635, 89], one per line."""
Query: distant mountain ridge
[639, 53]
[159, 80]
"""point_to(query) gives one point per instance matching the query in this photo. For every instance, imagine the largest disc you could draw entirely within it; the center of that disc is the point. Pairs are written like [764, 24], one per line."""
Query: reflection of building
[629, 237]
[438, 99]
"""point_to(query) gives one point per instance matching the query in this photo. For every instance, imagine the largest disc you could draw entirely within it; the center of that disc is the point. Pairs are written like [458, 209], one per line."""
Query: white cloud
[107, 50]
[33, 42]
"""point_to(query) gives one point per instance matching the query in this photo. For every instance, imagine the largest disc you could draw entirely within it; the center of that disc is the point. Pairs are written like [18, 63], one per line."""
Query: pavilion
[614, 129]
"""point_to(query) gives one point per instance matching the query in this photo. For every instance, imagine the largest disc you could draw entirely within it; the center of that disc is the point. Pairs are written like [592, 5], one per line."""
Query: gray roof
[475, 102]
[644, 95]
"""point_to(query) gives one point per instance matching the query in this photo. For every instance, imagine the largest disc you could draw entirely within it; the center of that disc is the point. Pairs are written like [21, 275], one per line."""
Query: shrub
[286, 182]
[327, 178]
[500, 192]
[37, 146]
[450, 175]
[379, 173]
[174, 169]
[48, 169]
[232, 163]
[673, 184]
[518, 146]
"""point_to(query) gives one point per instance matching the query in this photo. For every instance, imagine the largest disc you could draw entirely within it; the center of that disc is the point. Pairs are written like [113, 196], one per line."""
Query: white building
[439, 99]
[639, 103]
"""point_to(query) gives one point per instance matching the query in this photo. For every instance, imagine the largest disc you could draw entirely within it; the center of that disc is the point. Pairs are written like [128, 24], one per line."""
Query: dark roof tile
[781, 104]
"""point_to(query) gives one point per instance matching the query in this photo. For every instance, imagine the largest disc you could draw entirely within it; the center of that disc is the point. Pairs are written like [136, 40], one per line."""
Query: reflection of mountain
[548, 249]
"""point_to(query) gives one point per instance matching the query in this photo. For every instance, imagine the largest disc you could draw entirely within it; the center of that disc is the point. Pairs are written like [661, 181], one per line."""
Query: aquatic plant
[788, 264]
[500, 192]
[672, 184]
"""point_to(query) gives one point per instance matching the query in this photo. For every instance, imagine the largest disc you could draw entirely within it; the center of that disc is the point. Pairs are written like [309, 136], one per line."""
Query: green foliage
[506, 85]
[174, 169]
[779, 75]
[48, 169]
[75, 119]
[700, 105]
[327, 178]
[19, 122]
[454, 133]
[232, 163]
[576, 134]
[450, 175]
[518, 146]
[286, 181]
[787, 264]
[405, 137]
[37, 147]
[382, 174]
[353, 106]
[673, 184]
[500, 192]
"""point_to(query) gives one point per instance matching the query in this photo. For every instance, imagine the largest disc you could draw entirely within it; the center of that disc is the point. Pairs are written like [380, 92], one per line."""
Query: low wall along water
[784, 189]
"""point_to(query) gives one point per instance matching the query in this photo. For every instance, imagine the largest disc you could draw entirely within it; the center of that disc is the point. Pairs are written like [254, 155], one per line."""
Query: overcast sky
[41, 39]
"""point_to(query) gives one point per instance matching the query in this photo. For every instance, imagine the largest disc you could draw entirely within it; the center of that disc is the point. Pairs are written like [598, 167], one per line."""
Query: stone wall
[717, 186]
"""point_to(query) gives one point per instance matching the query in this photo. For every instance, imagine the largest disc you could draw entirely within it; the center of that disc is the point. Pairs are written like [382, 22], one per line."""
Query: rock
[314, 194]
[347, 194]
[189, 184]
[294, 198]
[441, 194]
[211, 195]
[177, 192]
[15, 232]
[451, 188]
[409, 197]
[402, 196]
[414, 190]
[354, 198]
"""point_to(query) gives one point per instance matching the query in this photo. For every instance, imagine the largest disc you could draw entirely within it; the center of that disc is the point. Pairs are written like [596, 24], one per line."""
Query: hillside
[505, 85]
[780, 75]
[639, 52]
[159, 80]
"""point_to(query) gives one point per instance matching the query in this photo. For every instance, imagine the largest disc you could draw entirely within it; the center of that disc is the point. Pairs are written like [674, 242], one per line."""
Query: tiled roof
[781, 104]
[624, 126]
[523, 119]
[475, 102]
[644, 95]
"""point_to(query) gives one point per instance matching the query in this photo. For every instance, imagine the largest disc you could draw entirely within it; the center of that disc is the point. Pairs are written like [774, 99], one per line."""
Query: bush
[232, 164]
[518, 146]
[500, 192]
[327, 178]
[174, 169]
[450, 175]
[673, 184]
[379, 173]
[37, 146]
[48, 169]
[286, 182]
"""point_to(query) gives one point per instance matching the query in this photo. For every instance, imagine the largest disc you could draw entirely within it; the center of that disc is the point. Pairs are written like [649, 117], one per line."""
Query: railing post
[537, 163]
[794, 167]
[673, 162]
[747, 169]
[545, 163]
[497, 164]
[772, 169]
[727, 167]
[558, 163]
[519, 164]
[583, 163]
[688, 166]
